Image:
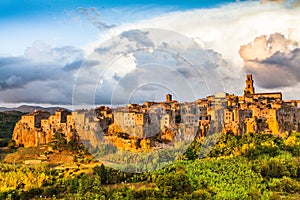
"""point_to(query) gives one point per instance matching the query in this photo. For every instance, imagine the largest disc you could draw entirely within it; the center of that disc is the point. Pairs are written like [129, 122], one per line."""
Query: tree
[174, 184]
[11, 144]
[101, 171]
[59, 140]
[74, 145]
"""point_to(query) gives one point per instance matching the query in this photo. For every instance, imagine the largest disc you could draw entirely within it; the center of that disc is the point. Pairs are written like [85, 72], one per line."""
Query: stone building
[168, 120]
[39, 127]
[27, 131]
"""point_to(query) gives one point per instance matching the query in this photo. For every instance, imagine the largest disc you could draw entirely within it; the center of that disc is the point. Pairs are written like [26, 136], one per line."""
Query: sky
[61, 22]
[75, 52]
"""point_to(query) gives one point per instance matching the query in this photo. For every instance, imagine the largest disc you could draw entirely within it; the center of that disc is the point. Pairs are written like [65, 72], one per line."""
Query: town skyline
[151, 124]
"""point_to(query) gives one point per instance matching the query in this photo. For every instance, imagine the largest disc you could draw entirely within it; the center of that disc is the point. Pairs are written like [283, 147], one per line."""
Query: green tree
[101, 172]
[59, 140]
[175, 184]
[11, 144]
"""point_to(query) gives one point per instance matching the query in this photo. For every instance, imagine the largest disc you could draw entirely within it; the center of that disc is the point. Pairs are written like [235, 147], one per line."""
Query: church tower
[168, 98]
[249, 85]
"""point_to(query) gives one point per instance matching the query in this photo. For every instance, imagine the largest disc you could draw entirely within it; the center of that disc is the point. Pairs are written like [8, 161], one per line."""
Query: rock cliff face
[26, 137]
[39, 127]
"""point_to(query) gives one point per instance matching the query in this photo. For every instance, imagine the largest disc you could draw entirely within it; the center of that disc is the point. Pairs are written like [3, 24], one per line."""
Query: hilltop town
[154, 124]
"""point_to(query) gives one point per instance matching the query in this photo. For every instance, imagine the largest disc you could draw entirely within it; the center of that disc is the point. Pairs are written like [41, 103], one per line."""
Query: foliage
[252, 166]
[8, 121]
[4, 142]
[58, 141]
[23, 177]
[174, 184]
[101, 172]
[11, 144]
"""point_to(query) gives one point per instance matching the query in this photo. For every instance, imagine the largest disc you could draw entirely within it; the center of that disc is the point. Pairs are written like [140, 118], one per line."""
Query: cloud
[223, 30]
[136, 59]
[274, 61]
[286, 3]
[264, 46]
[43, 75]
[174, 52]
[138, 36]
[42, 52]
[93, 16]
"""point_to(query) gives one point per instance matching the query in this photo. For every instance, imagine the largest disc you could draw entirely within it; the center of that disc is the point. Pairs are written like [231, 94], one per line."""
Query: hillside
[252, 166]
[8, 119]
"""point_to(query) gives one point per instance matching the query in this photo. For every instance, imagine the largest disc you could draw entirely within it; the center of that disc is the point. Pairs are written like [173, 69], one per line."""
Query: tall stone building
[168, 98]
[249, 85]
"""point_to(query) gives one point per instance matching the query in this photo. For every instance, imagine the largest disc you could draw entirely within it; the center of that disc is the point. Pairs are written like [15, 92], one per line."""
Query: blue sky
[58, 22]
[35, 10]
[17, 8]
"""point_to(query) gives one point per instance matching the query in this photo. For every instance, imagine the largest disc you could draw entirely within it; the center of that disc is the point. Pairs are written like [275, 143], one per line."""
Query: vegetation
[60, 143]
[8, 121]
[252, 166]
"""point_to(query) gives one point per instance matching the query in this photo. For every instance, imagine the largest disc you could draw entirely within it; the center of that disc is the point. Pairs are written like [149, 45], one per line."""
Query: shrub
[174, 184]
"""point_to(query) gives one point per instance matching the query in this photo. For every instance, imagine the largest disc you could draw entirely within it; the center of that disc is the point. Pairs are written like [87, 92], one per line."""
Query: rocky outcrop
[26, 137]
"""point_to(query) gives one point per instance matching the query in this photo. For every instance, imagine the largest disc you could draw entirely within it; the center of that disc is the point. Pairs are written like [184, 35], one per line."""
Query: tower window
[248, 86]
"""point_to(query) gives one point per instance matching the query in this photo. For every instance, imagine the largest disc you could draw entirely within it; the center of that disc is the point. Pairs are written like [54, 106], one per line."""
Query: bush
[4, 142]
[123, 193]
[277, 168]
[201, 194]
[11, 144]
[174, 184]
[101, 172]
[146, 193]
[285, 184]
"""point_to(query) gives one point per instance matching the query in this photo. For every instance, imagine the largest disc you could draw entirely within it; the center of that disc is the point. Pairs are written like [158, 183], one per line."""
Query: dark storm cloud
[77, 64]
[73, 66]
[284, 68]
[18, 74]
[4, 61]
[43, 75]
[285, 60]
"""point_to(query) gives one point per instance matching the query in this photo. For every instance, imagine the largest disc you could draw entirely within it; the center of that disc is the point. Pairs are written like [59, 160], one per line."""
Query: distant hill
[28, 109]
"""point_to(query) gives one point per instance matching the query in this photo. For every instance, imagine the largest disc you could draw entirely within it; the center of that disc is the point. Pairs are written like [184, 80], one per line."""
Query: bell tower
[168, 98]
[249, 85]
